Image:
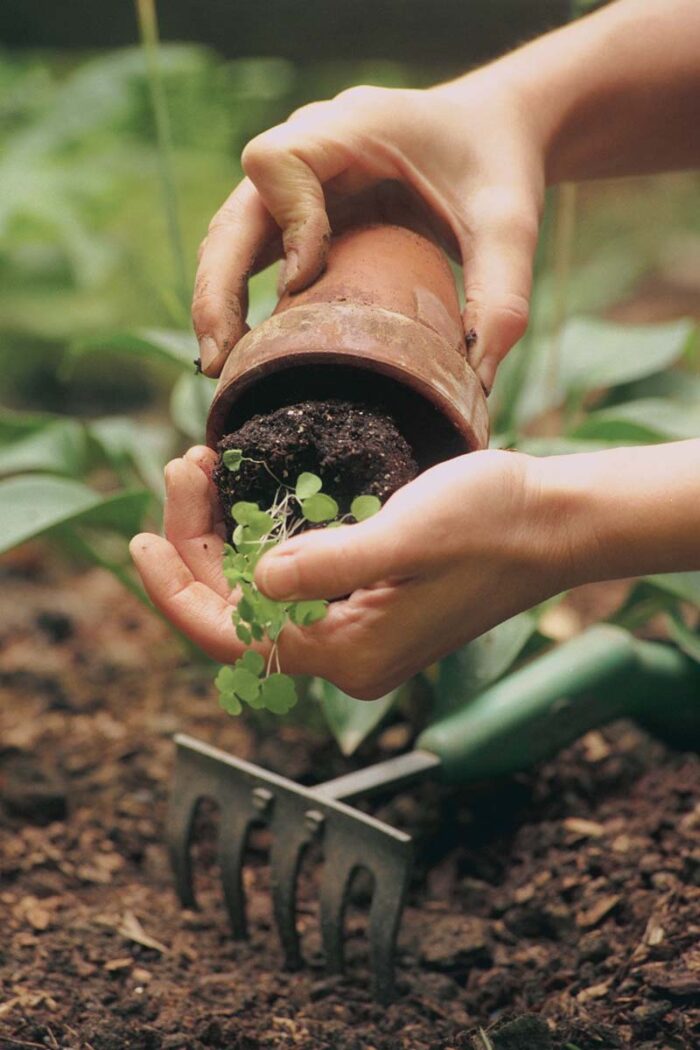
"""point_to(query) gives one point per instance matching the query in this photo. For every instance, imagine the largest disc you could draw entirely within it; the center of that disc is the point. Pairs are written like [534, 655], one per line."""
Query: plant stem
[148, 30]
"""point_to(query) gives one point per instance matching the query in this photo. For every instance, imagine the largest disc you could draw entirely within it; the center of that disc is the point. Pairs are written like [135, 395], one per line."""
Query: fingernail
[279, 577]
[290, 270]
[208, 352]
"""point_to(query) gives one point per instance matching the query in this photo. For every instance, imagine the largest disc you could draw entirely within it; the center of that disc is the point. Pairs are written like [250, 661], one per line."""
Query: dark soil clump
[354, 448]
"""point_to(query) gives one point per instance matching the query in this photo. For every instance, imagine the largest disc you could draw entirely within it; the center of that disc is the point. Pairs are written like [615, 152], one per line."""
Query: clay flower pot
[382, 324]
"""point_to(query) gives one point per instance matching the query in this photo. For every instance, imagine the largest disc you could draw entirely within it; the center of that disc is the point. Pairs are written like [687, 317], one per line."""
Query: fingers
[189, 520]
[238, 234]
[190, 605]
[288, 168]
[497, 280]
[335, 562]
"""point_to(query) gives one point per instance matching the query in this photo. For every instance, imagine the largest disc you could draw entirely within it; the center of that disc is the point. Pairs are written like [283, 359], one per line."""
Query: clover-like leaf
[230, 703]
[279, 693]
[308, 612]
[246, 685]
[363, 507]
[307, 485]
[232, 459]
[253, 662]
[243, 511]
[244, 633]
[319, 508]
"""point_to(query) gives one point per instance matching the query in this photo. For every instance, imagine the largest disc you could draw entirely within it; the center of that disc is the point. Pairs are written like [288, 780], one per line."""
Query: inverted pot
[381, 325]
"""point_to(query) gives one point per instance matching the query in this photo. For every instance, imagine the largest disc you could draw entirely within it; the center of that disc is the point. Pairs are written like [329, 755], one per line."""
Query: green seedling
[253, 679]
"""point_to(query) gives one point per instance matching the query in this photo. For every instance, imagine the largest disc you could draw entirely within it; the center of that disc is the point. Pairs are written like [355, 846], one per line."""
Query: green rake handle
[603, 674]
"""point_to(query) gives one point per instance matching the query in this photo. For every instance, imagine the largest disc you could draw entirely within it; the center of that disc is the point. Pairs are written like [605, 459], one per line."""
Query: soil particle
[355, 449]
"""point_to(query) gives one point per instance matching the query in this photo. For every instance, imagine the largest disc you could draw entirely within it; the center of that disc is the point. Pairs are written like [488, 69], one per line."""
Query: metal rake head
[295, 815]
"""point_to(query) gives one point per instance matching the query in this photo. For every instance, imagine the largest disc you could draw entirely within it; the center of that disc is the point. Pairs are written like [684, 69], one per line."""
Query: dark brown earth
[568, 898]
[355, 449]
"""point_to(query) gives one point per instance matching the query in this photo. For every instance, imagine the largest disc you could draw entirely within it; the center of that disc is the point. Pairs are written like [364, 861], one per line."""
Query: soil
[562, 906]
[355, 449]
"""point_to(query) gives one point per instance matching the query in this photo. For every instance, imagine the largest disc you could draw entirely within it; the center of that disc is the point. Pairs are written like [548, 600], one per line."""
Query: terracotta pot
[383, 325]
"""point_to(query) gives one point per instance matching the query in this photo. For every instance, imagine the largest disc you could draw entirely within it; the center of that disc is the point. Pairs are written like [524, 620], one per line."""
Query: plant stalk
[148, 31]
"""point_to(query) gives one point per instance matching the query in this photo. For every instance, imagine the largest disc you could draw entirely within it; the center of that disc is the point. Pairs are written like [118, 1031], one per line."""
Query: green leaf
[363, 507]
[597, 353]
[230, 703]
[687, 640]
[59, 447]
[306, 613]
[253, 662]
[243, 511]
[278, 693]
[224, 680]
[145, 449]
[465, 673]
[684, 585]
[32, 505]
[244, 633]
[593, 355]
[244, 683]
[307, 485]
[319, 508]
[232, 459]
[147, 344]
[349, 720]
[189, 404]
[646, 420]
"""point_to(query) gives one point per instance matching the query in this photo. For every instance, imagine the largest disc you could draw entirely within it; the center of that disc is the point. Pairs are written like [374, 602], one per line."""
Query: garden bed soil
[355, 449]
[566, 901]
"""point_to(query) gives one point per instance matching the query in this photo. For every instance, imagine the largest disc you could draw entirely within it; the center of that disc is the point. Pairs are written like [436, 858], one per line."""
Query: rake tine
[390, 888]
[178, 834]
[233, 837]
[338, 868]
[289, 840]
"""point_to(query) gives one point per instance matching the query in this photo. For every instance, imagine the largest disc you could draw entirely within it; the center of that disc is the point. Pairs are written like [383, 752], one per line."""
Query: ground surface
[571, 896]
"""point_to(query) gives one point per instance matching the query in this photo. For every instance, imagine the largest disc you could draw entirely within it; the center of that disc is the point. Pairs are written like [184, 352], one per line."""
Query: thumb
[497, 284]
[332, 563]
[288, 168]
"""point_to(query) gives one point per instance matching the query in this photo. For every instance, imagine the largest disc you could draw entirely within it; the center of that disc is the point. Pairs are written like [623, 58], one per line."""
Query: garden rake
[528, 716]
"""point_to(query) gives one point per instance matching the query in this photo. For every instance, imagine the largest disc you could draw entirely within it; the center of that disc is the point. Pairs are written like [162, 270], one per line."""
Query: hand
[463, 547]
[468, 150]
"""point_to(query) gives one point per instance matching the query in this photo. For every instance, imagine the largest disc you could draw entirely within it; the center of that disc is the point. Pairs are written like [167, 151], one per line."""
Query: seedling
[252, 679]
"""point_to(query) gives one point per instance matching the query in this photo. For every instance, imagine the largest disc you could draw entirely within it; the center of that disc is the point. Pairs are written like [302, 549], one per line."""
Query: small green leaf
[232, 459]
[319, 508]
[306, 613]
[224, 680]
[259, 525]
[279, 693]
[253, 662]
[246, 610]
[244, 633]
[246, 685]
[363, 507]
[230, 703]
[307, 485]
[243, 511]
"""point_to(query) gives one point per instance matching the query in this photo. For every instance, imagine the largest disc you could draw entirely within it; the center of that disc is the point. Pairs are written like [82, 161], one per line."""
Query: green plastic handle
[603, 674]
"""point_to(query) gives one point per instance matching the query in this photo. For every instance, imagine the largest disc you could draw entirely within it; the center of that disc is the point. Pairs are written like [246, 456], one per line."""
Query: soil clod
[355, 449]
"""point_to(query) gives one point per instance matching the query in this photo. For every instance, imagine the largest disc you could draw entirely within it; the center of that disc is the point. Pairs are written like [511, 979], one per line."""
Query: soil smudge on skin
[355, 449]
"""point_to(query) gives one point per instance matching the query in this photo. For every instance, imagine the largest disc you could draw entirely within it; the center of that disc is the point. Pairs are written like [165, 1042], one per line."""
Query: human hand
[466, 545]
[468, 150]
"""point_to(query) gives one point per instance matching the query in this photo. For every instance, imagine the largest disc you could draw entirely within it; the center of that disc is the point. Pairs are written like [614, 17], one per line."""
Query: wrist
[622, 512]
